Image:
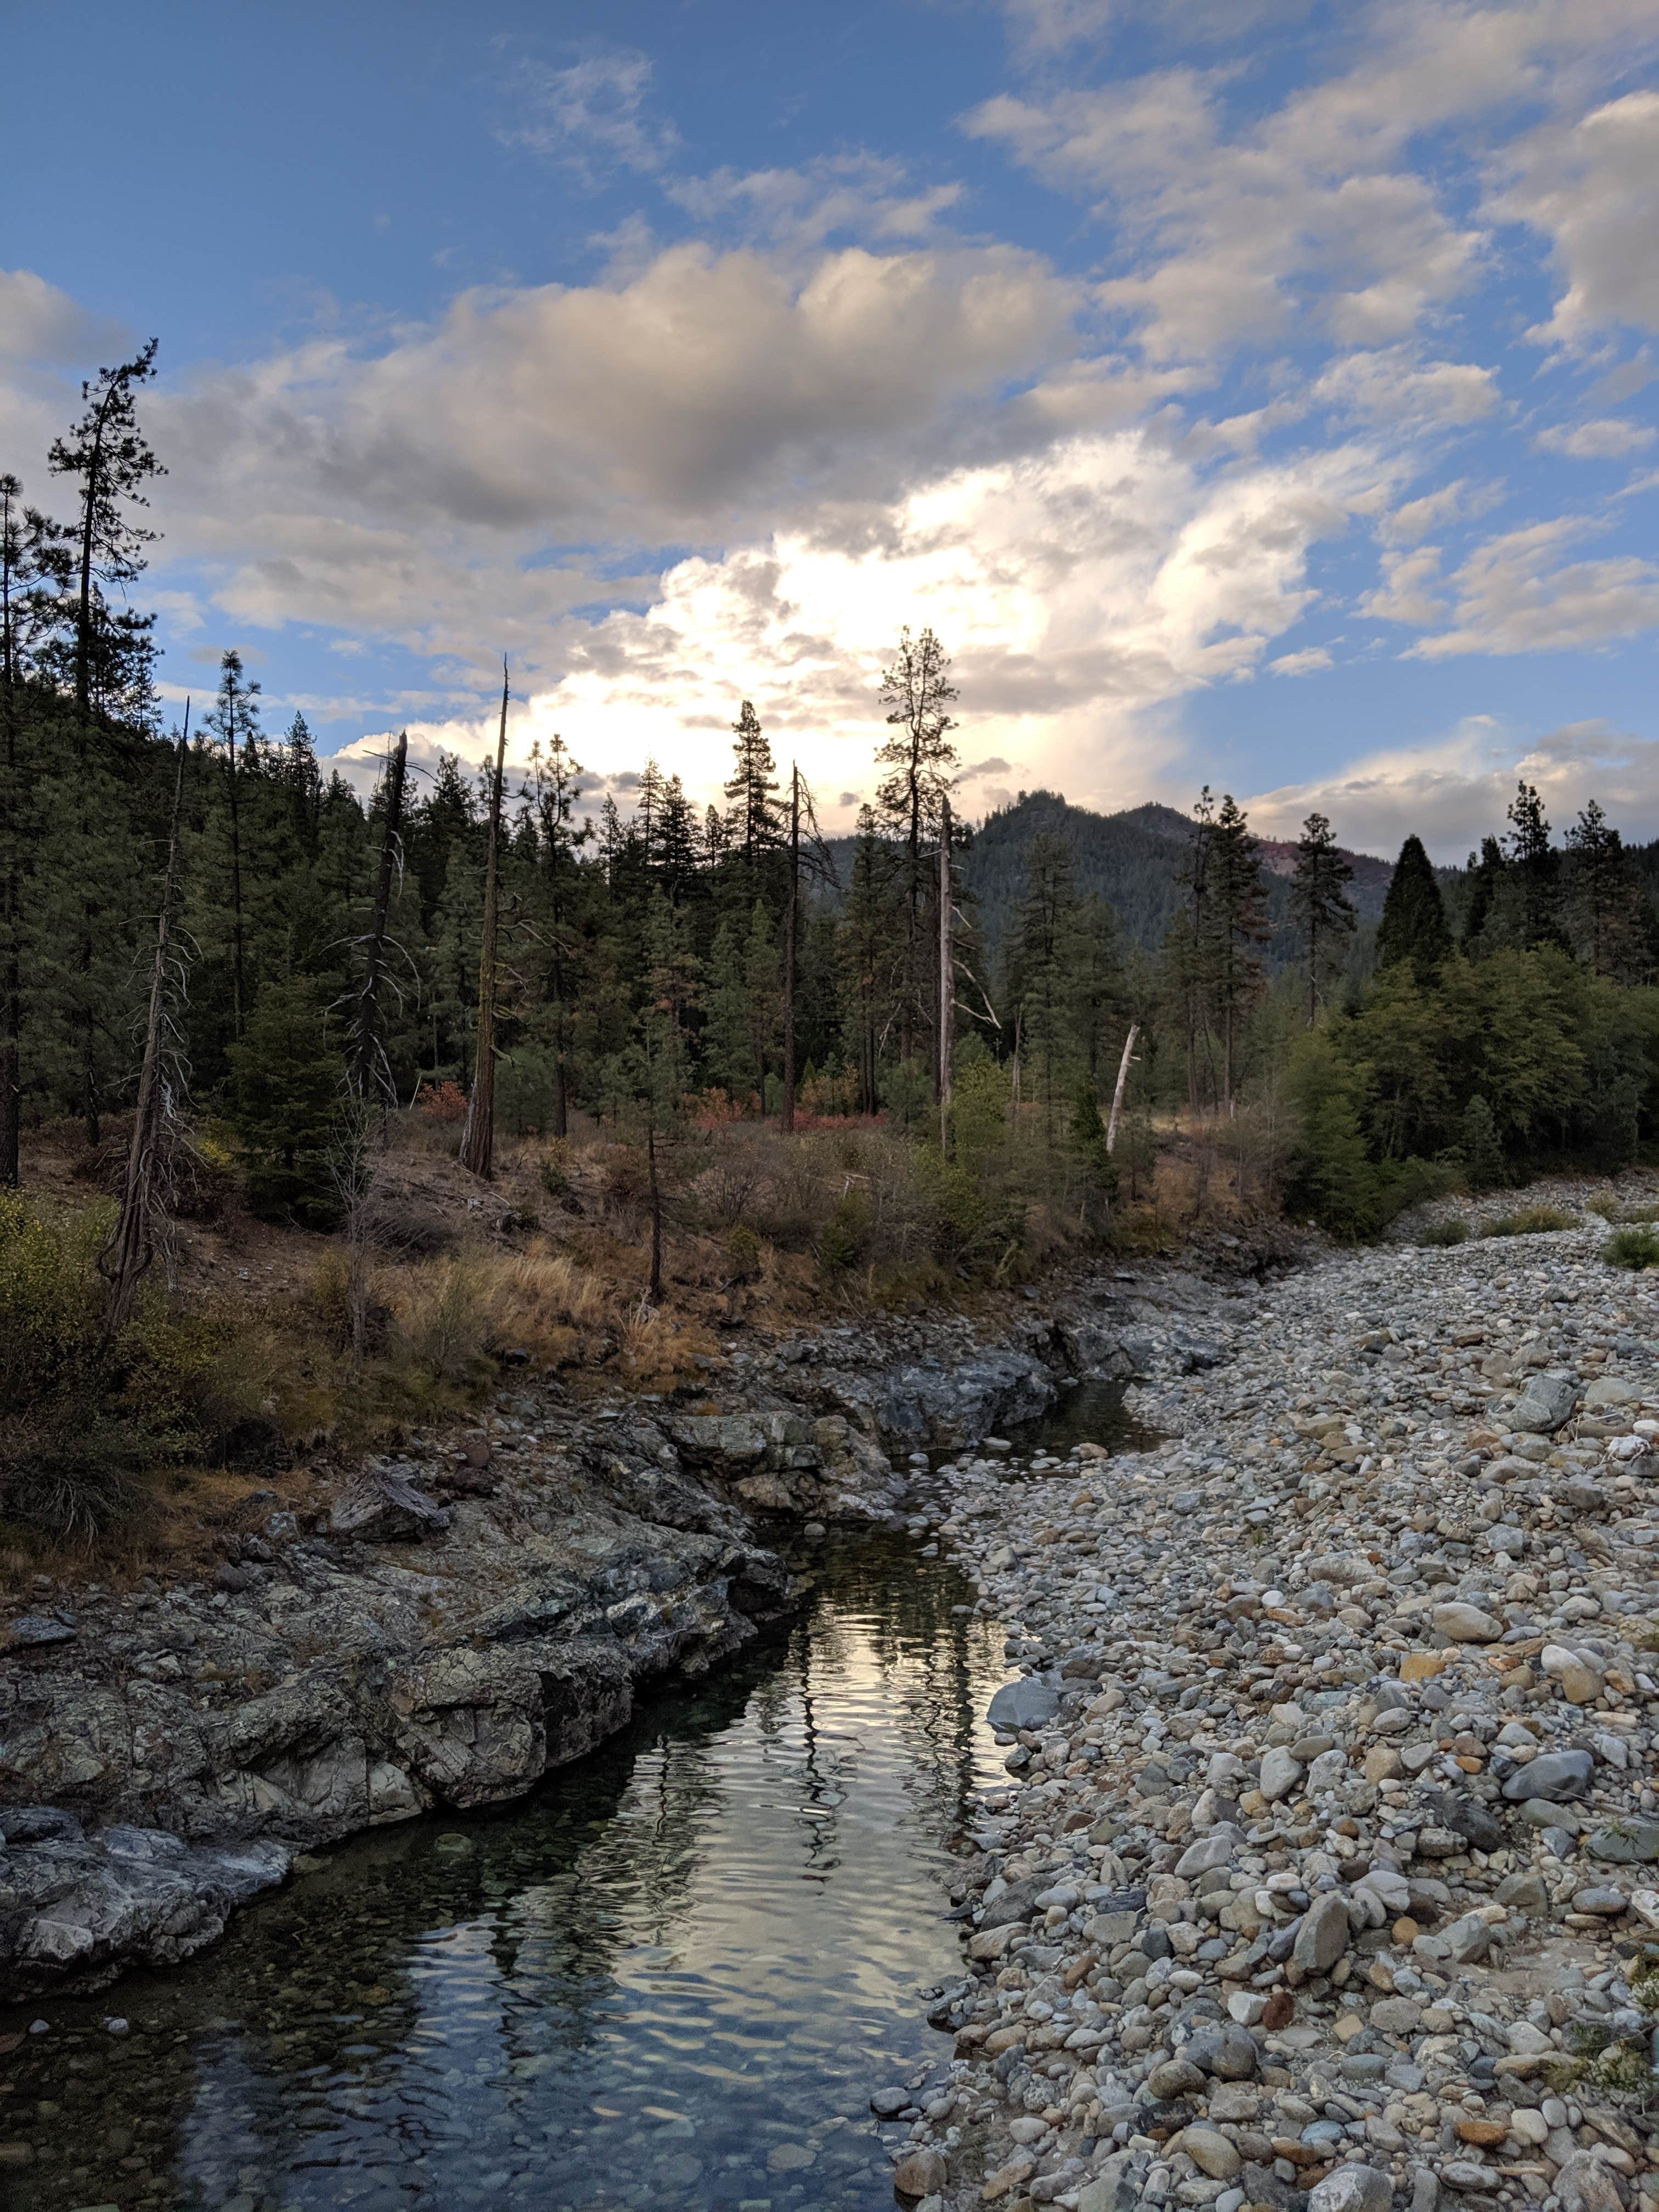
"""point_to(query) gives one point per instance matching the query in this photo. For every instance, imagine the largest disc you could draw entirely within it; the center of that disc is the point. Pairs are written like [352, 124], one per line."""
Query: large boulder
[1546, 1403]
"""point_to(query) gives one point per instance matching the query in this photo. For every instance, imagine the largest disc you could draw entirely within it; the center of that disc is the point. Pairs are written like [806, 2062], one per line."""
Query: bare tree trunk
[1122, 1079]
[478, 1138]
[787, 1118]
[370, 1070]
[947, 978]
[132, 1245]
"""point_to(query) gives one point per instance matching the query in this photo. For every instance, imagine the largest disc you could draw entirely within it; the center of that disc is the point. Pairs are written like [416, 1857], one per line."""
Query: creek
[672, 1976]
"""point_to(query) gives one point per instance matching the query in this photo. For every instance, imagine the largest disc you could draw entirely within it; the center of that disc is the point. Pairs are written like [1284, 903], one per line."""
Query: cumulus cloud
[1591, 187]
[1013, 563]
[1407, 590]
[1515, 594]
[1453, 792]
[1393, 386]
[40, 323]
[856, 194]
[407, 490]
[1610, 440]
[1308, 662]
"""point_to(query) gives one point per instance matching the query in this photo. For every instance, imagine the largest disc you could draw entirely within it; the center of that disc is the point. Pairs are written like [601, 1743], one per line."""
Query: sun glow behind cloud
[1327, 357]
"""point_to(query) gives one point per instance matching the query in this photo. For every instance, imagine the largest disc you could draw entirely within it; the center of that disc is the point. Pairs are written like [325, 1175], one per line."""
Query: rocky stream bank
[1327, 1871]
[468, 1616]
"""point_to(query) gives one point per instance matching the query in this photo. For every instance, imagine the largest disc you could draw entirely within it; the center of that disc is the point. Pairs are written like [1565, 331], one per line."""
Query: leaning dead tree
[146, 1184]
[1123, 1066]
[478, 1151]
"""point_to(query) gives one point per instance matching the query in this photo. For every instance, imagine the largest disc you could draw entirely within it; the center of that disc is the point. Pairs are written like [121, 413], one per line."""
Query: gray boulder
[1546, 1403]
[1352, 2188]
[1030, 1703]
[1554, 1776]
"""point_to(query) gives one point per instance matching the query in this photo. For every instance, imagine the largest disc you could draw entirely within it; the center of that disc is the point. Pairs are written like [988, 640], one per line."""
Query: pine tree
[1040, 986]
[1615, 924]
[1237, 906]
[728, 1037]
[1414, 926]
[556, 779]
[303, 779]
[287, 1075]
[1325, 914]
[1537, 868]
[1487, 877]
[763, 985]
[921, 761]
[755, 824]
[109, 455]
[869, 956]
[234, 722]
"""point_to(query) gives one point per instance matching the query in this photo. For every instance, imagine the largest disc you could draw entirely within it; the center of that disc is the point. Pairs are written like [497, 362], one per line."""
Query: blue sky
[1247, 393]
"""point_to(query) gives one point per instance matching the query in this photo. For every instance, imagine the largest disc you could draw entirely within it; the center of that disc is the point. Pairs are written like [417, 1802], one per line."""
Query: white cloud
[868, 196]
[1447, 502]
[1393, 386]
[1515, 594]
[1312, 215]
[402, 491]
[1308, 662]
[1407, 592]
[1453, 792]
[591, 118]
[1591, 187]
[41, 325]
[1013, 563]
[1610, 440]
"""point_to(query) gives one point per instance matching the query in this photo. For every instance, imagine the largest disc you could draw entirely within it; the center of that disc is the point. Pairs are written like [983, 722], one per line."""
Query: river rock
[1281, 1772]
[1466, 1624]
[1546, 1403]
[1553, 1776]
[1353, 2188]
[923, 2173]
[1210, 2152]
[1630, 1842]
[1030, 1703]
[1173, 2078]
[1585, 2184]
[1325, 1933]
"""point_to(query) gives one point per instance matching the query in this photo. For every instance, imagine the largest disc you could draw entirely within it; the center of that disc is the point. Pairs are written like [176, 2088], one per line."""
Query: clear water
[671, 1979]
[1093, 1413]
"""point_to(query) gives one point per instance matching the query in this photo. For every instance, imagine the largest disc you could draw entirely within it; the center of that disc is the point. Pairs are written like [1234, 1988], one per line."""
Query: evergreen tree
[1040, 988]
[869, 957]
[287, 1075]
[1614, 924]
[108, 456]
[1414, 926]
[1237, 906]
[755, 821]
[234, 723]
[728, 1037]
[555, 776]
[1487, 877]
[1324, 913]
[920, 763]
[1536, 865]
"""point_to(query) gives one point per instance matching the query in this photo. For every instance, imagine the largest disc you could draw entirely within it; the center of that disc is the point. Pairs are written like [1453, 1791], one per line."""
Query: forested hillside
[1136, 861]
[715, 1057]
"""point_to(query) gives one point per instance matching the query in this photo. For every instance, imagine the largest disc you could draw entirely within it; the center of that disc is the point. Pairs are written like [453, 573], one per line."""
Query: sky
[1247, 392]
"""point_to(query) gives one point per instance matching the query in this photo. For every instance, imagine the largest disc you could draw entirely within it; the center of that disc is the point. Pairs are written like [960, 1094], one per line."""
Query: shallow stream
[671, 1979]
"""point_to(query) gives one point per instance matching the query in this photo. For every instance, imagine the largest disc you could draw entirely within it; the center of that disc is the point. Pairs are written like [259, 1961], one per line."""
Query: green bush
[1439, 1233]
[1531, 1221]
[844, 1241]
[1634, 1247]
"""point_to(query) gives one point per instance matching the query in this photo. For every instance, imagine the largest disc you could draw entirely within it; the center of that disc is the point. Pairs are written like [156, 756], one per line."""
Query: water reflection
[1092, 1413]
[673, 1978]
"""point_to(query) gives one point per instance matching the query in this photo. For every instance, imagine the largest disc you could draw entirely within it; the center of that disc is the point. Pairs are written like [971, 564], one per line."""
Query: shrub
[746, 1252]
[1439, 1233]
[443, 1102]
[1634, 1247]
[844, 1243]
[1531, 1221]
[553, 1169]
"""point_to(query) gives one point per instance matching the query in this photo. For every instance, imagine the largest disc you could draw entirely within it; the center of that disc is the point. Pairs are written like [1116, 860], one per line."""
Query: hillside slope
[1133, 859]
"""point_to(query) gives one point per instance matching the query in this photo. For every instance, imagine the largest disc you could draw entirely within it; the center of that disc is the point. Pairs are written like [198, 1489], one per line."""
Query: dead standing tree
[815, 862]
[147, 1180]
[477, 1152]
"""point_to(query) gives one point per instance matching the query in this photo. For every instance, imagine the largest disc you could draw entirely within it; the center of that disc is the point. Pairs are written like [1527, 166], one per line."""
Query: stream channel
[672, 1976]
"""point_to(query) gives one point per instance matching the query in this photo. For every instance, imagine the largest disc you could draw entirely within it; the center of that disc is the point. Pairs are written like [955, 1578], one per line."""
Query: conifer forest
[709, 1054]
